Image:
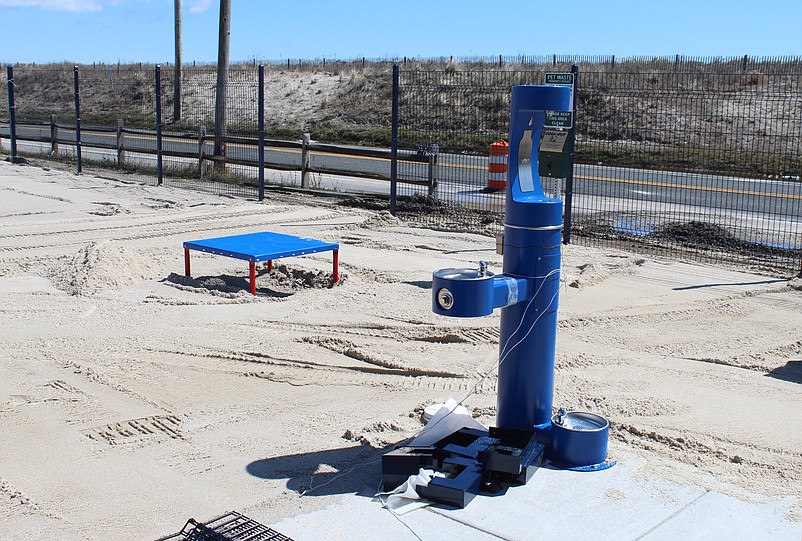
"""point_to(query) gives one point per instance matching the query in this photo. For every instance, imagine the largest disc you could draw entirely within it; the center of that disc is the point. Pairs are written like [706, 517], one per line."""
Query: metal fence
[696, 158]
[116, 105]
[178, 145]
[456, 115]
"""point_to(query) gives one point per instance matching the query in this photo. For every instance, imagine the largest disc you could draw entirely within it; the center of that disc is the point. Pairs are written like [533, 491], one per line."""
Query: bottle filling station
[528, 432]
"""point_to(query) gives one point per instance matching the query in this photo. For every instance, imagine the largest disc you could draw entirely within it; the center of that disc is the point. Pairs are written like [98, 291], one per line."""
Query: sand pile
[99, 266]
[282, 281]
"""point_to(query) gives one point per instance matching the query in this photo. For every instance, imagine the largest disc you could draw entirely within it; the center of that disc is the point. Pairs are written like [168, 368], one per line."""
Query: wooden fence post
[305, 160]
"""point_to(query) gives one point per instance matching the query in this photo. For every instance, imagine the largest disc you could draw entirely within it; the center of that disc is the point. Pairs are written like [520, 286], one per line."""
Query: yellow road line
[688, 187]
[463, 166]
[466, 166]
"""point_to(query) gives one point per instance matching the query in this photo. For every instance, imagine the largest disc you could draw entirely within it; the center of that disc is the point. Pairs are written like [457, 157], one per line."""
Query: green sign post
[562, 163]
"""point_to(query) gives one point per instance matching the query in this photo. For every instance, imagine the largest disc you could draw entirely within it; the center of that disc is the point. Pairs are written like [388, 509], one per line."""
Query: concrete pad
[610, 504]
[614, 504]
[727, 518]
[358, 518]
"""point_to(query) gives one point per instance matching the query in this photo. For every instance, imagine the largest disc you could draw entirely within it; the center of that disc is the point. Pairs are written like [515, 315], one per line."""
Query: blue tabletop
[262, 246]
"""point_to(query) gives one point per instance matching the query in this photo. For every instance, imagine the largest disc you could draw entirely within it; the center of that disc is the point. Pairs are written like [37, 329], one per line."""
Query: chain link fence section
[116, 104]
[46, 117]
[691, 158]
[191, 158]
[698, 159]
[118, 116]
[454, 116]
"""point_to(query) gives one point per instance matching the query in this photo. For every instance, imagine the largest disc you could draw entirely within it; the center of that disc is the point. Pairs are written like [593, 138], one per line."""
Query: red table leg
[253, 277]
[335, 276]
[186, 262]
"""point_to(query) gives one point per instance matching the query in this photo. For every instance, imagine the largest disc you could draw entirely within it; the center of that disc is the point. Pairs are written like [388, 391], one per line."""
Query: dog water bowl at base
[579, 438]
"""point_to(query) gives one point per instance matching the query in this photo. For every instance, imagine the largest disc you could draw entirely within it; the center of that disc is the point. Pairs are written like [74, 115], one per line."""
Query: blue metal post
[77, 119]
[12, 109]
[532, 236]
[394, 144]
[261, 121]
[159, 162]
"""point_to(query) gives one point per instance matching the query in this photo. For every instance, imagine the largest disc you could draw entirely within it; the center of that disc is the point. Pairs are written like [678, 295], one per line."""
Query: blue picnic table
[262, 246]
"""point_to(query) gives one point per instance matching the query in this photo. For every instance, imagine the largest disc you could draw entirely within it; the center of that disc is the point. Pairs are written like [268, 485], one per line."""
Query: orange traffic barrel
[497, 165]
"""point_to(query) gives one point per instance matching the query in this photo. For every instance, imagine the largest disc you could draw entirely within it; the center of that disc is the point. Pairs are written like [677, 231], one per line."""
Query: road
[463, 178]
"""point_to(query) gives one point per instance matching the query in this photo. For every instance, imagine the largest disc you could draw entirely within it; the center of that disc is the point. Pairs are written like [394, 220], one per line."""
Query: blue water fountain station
[527, 291]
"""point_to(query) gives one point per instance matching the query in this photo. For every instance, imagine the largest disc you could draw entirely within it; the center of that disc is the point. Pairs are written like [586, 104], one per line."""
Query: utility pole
[222, 83]
[177, 76]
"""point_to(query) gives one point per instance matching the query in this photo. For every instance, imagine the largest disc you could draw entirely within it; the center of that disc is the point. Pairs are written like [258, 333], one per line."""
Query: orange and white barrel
[497, 165]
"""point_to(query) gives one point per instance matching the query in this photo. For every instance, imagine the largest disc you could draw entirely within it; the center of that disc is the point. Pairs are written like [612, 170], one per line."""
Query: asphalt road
[463, 176]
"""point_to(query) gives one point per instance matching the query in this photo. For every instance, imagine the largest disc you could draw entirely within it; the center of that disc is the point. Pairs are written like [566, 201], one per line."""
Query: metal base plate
[471, 460]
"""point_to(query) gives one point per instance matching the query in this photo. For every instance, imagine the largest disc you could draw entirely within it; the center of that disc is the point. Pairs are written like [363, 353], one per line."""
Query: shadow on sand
[792, 371]
[322, 473]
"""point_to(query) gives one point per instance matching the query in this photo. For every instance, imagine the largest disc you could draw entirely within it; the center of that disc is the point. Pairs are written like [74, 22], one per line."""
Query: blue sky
[86, 31]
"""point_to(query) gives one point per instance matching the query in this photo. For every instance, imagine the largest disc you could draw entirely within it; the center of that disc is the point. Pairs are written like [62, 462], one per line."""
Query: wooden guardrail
[55, 134]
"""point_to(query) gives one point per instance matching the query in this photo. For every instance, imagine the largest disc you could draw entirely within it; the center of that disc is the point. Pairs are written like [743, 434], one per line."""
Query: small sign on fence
[560, 79]
[559, 119]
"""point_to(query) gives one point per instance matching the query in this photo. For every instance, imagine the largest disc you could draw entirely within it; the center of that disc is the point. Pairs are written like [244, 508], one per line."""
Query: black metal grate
[229, 527]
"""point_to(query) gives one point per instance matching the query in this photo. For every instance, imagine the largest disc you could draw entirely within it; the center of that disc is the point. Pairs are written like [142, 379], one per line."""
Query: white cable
[501, 354]
[504, 357]
[355, 466]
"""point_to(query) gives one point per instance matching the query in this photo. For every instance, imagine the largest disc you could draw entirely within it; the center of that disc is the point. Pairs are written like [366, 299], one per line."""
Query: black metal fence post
[12, 115]
[305, 160]
[201, 142]
[394, 144]
[77, 119]
[261, 132]
[159, 164]
[431, 172]
[53, 135]
[569, 180]
[120, 143]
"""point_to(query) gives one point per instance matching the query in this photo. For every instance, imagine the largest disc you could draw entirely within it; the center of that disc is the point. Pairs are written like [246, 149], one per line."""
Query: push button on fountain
[445, 299]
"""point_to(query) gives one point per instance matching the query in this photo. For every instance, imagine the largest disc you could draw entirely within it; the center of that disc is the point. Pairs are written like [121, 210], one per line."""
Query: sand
[133, 398]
